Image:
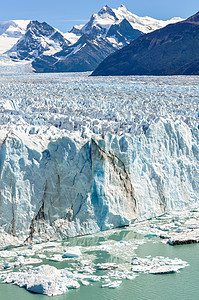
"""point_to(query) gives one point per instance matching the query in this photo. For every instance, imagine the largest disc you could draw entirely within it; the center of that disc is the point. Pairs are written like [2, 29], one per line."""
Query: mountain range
[82, 49]
[172, 50]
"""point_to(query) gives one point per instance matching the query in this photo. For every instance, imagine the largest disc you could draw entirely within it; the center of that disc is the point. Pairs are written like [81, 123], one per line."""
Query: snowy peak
[39, 38]
[106, 11]
[100, 23]
[176, 47]
[76, 29]
[38, 29]
[11, 32]
[14, 27]
[144, 24]
[122, 12]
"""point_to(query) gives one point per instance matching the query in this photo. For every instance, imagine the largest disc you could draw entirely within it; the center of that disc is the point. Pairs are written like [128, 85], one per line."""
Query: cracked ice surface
[88, 105]
[82, 154]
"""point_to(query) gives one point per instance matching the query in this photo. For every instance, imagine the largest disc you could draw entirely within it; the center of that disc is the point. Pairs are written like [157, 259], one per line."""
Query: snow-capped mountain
[106, 17]
[176, 46]
[11, 32]
[108, 20]
[107, 31]
[81, 49]
[39, 38]
[113, 25]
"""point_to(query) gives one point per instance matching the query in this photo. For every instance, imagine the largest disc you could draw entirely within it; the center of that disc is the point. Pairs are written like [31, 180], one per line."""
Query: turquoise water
[183, 285]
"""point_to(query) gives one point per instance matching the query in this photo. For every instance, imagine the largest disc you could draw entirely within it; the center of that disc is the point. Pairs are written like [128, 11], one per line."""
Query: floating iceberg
[113, 284]
[72, 252]
[157, 265]
[44, 279]
[107, 266]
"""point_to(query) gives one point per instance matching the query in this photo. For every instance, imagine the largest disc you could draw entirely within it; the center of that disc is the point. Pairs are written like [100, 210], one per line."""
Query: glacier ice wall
[70, 186]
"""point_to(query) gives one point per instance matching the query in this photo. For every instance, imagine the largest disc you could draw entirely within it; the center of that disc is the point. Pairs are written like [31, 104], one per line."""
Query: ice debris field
[106, 258]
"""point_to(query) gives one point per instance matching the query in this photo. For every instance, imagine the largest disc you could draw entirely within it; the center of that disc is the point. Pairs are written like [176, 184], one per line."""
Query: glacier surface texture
[79, 155]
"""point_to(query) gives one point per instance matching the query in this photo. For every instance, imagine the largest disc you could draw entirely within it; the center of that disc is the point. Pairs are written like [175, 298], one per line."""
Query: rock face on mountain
[172, 50]
[81, 49]
[83, 56]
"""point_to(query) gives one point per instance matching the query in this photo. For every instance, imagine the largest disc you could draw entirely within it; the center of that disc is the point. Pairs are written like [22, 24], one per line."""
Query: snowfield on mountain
[41, 48]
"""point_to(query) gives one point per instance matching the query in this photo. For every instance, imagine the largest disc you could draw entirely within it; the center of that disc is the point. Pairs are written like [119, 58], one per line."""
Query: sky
[63, 14]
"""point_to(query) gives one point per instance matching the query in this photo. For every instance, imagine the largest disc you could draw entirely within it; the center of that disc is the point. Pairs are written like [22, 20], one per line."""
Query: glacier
[59, 181]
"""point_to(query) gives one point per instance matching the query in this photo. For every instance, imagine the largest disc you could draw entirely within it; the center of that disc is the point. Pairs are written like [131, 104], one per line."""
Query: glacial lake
[180, 285]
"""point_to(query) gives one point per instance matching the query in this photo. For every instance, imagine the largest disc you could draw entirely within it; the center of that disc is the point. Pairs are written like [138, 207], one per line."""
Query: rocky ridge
[46, 49]
[172, 50]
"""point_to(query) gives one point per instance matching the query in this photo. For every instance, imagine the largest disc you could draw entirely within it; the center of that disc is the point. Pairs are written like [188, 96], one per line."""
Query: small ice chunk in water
[107, 266]
[72, 252]
[112, 285]
[157, 265]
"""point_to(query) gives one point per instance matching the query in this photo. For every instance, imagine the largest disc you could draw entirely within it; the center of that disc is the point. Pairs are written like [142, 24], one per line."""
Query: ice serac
[71, 187]
[21, 184]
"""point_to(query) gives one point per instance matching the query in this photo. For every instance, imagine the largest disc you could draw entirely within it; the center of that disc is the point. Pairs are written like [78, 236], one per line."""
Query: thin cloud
[74, 20]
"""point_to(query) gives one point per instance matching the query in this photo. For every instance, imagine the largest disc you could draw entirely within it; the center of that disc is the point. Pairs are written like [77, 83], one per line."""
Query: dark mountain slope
[85, 55]
[172, 50]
